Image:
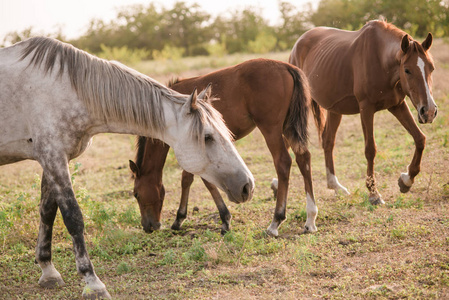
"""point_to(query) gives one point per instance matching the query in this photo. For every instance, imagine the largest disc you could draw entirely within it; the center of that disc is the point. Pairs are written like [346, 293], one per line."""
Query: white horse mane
[114, 92]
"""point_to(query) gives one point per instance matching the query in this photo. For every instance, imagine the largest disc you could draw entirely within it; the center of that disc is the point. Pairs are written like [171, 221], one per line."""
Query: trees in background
[151, 31]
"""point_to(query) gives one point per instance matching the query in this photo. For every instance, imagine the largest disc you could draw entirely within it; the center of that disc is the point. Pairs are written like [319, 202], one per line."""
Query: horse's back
[246, 92]
[336, 63]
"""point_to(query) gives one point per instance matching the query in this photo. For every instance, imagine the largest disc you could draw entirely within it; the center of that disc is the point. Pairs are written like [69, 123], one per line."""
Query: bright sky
[46, 16]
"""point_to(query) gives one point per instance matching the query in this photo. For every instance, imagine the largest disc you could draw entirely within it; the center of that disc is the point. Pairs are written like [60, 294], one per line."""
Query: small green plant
[399, 232]
[170, 258]
[76, 169]
[196, 252]
[123, 268]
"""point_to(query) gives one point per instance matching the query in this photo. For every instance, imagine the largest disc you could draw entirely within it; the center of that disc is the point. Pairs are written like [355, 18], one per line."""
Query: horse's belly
[14, 151]
[344, 105]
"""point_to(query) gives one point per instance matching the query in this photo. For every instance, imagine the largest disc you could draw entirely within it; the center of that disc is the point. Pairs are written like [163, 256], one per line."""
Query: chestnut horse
[365, 71]
[272, 95]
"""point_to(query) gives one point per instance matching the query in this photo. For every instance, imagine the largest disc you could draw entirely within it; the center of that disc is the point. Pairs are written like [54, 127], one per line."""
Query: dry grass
[399, 250]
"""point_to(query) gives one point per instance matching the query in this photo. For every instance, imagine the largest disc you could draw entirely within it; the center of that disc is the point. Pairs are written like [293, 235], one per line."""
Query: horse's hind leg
[403, 114]
[282, 163]
[181, 215]
[330, 131]
[303, 161]
[48, 207]
[59, 189]
[225, 215]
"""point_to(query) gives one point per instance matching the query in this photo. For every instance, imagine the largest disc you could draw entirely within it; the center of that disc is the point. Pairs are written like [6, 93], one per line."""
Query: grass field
[398, 250]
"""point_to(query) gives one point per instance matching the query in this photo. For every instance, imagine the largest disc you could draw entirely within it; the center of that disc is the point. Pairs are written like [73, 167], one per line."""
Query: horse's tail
[320, 118]
[296, 121]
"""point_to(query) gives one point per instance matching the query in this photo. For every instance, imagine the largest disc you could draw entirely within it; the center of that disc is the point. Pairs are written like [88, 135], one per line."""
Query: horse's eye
[407, 71]
[136, 196]
[208, 138]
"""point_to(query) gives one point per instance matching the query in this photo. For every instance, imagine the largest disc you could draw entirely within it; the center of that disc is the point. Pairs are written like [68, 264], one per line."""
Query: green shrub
[123, 54]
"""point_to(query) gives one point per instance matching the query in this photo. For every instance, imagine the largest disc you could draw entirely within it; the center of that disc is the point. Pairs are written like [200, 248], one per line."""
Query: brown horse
[272, 95]
[365, 71]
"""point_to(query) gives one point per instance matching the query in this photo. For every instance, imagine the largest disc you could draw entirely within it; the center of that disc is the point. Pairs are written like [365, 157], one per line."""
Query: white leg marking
[94, 283]
[273, 229]
[406, 179]
[50, 276]
[332, 183]
[49, 271]
[312, 211]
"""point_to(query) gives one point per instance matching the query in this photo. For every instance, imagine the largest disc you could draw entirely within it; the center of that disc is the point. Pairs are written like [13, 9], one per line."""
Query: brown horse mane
[141, 142]
[391, 28]
[173, 81]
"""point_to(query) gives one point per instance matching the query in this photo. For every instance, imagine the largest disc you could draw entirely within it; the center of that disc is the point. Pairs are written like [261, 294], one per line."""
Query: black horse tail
[296, 122]
[320, 118]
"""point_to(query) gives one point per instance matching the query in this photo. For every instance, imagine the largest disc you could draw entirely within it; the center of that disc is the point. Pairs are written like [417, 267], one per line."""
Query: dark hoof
[376, 200]
[51, 283]
[176, 226]
[402, 187]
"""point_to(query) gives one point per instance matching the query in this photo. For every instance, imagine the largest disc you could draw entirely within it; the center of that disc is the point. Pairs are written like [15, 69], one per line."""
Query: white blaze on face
[421, 65]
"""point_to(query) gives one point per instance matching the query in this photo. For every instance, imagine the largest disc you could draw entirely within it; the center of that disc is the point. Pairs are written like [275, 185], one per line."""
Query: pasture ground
[398, 250]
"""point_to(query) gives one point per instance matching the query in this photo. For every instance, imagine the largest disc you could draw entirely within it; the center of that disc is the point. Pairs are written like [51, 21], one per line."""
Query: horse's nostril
[246, 192]
[436, 111]
[422, 111]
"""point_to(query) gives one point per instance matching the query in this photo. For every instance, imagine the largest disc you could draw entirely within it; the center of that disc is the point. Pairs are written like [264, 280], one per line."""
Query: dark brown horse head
[150, 204]
[416, 67]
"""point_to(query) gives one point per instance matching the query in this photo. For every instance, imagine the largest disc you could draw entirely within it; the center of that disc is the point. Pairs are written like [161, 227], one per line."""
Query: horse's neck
[164, 133]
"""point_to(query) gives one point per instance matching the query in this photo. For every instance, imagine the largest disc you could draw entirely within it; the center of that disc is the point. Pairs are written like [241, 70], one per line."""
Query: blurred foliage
[155, 31]
[123, 54]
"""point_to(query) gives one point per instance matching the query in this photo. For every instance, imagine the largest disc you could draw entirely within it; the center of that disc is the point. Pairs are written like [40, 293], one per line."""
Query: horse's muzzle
[245, 194]
[149, 226]
[427, 116]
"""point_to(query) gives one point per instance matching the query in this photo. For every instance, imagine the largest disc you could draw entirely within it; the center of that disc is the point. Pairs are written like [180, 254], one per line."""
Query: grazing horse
[362, 72]
[54, 98]
[271, 95]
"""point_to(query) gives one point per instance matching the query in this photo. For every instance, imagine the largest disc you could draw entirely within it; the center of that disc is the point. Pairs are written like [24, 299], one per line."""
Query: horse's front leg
[403, 114]
[225, 215]
[59, 189]
[48, 207]
[181, 215]
[367, 117]
[328, 139]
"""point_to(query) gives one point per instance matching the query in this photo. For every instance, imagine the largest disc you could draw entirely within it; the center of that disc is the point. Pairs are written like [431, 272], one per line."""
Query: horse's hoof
[272, 231]
[97, 294]
[225, 229]
[51, 282]
[402, 186]
[309, 228]
[376, 200]
[176, 226]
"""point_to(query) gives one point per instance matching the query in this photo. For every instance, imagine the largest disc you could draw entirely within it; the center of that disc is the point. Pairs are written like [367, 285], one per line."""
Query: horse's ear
[206, 93]
[405, 43]
[191, 104]
[134, 168]
[427, 42]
